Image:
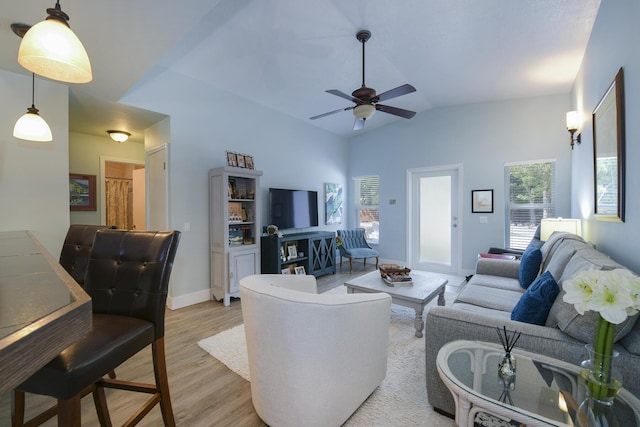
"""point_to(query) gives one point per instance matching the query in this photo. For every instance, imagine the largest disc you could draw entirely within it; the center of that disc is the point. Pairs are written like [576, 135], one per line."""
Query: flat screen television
[293, 208]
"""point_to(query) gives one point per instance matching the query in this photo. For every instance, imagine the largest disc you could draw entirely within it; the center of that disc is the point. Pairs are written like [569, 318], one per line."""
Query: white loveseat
[313, 358]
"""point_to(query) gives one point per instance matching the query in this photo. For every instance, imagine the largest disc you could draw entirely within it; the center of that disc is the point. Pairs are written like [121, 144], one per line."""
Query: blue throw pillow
[529, 266]
[535, 303]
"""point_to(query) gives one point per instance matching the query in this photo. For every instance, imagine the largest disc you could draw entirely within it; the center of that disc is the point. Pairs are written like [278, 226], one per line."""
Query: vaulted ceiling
[284, 54]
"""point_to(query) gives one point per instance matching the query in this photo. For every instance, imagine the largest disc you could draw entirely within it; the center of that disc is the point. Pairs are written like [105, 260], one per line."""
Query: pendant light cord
[33, 90]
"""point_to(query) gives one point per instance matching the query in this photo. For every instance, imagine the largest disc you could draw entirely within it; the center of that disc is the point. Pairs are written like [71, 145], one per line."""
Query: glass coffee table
[545, 392]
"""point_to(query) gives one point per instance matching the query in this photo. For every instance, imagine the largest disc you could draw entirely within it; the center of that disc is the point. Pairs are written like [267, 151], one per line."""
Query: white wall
[483, 137]
[205, 122]
[613, 44]
[34, 176]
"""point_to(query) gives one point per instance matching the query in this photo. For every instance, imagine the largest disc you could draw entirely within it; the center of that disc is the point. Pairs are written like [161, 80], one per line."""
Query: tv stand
[314, 251]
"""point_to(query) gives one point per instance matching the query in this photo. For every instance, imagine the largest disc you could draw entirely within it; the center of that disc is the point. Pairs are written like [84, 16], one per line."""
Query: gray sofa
[488, 298]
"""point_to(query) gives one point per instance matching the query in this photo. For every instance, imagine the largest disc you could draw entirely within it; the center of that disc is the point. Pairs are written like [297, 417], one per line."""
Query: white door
[157, 212]
[139, 200]
[433, 232]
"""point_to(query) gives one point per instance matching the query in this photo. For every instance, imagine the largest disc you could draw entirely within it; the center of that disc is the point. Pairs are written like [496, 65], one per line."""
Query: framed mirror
[608, 152]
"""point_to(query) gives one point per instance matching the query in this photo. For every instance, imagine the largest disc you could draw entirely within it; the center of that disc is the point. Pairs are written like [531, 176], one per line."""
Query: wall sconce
[119, 135]
[31, 126]
[52, 50]
[573, 122]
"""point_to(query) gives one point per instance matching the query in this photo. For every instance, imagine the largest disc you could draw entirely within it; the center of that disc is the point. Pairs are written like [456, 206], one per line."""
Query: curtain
[117, 202]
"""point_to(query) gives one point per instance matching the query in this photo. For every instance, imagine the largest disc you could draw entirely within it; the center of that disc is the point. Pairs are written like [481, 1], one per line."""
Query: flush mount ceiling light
[52, 50]
[119, 135]
[31, 126]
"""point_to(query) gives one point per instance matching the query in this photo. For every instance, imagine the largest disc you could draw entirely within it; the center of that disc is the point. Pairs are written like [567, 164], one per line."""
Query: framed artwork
[240, 159]
[609, 153]
[333, 203]
[285, 271]
[300, 270]
[82, 192]
[231, 159]
[481, 201]
[248, 162]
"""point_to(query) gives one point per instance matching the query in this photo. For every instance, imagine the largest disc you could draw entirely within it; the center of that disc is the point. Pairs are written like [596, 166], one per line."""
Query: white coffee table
[426, 286]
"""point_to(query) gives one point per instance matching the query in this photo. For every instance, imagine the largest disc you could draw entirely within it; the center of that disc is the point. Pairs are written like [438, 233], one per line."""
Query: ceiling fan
[365, 98]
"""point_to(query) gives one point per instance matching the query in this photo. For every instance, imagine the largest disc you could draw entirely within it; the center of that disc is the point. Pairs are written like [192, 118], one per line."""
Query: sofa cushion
[484, 296]
[631, 341]
[498, 282]
[534, 305]
[582, 326]
[529, 266]
[560, 259]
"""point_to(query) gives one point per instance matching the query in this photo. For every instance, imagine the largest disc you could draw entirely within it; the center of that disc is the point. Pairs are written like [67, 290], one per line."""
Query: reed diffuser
[507, 365]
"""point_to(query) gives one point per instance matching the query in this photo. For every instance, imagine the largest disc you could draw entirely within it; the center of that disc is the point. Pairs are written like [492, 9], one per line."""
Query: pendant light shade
[31, 126]
[52, 50]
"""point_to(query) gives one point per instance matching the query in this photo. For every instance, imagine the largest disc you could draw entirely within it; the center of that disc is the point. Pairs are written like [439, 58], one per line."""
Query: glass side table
[545, 391]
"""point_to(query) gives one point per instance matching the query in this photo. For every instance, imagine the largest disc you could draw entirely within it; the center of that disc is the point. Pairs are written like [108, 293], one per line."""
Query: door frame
[458, 167]
[103, 192]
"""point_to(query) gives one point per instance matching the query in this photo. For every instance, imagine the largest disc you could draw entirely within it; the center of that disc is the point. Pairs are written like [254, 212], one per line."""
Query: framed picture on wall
[82, 192]
[481, 201]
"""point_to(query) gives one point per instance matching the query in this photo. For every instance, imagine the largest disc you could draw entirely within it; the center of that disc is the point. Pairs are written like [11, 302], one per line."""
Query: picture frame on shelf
[240, 159]
[248, 162]
[300, 270]
[285, 271]
[231, 159]
[481, 201]
[292, 250]
[82, 192]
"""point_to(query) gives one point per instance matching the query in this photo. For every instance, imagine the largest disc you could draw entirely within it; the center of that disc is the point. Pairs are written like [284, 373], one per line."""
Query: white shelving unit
[234, 227]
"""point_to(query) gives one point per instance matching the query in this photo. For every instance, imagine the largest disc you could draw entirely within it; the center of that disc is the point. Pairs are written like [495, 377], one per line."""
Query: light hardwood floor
[204, 392]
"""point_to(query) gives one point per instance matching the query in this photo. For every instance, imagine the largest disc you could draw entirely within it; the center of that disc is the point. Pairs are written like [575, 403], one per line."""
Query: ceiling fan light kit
[365, 98]
[364, 111]
[50, 49]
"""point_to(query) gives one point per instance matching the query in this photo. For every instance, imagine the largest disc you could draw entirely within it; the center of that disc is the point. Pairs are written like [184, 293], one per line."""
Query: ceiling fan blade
[336, 92]
[400, 90]
[395, 111]
[331, 112]
[358, 124]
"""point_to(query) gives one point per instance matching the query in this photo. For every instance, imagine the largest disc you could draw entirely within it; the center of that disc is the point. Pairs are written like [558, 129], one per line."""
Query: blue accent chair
[354, 245]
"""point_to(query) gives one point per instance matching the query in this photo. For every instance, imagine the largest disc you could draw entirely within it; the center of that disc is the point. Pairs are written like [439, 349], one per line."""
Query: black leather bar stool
[127, 278]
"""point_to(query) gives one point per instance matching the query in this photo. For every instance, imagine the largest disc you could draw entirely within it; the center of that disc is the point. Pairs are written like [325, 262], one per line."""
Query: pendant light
[31, 126]
[52, 50]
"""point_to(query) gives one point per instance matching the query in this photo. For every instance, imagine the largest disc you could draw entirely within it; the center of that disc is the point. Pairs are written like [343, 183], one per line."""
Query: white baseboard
[181, 301]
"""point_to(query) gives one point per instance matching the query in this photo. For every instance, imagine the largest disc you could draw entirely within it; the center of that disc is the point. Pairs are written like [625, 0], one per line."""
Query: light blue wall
[34, 176]
[205, 122]
[481, 137]
[613, 44]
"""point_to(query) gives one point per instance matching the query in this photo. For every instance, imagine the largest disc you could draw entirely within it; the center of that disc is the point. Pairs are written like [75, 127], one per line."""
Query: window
[531, 196]
[367, 207]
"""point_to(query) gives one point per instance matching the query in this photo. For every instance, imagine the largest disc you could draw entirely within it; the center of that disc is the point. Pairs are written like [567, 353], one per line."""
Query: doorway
[124, 194]
[433, 230]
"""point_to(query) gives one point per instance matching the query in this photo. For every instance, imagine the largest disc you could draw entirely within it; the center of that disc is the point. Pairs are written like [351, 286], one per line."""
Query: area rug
[401, 398]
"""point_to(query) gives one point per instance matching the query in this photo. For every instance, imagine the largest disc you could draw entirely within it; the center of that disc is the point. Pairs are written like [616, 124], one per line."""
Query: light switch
[484, 220]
